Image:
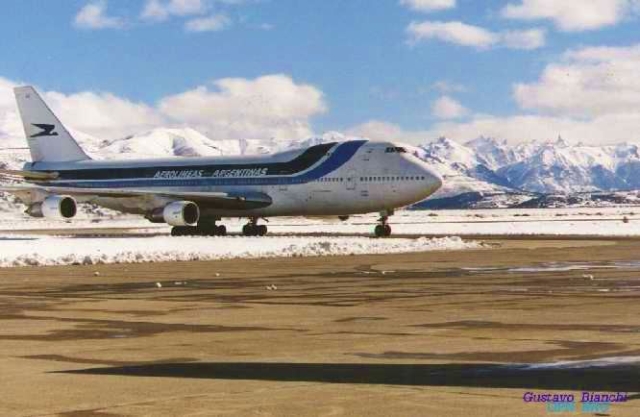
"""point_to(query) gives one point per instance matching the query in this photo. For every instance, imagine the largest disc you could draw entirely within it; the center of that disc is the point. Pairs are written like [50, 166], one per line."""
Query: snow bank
[37, 251]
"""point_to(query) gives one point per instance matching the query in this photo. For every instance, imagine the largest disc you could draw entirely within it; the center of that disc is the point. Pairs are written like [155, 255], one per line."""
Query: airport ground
[425, 334]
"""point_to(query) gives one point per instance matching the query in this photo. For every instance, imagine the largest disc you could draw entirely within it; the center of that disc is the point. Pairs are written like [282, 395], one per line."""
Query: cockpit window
[396, 149]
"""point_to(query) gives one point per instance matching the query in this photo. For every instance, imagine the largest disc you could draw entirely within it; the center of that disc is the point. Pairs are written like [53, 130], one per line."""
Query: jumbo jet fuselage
[333, 179]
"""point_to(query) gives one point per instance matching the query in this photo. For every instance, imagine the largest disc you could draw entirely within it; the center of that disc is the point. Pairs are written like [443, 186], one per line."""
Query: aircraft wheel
[221, 230]
[262, 230]
[387, 230]
[248, 230]
[183, 231]
[177, 231]
[379, 231]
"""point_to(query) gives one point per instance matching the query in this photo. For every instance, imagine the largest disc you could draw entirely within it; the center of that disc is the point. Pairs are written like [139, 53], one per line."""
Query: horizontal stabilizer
[29, 175]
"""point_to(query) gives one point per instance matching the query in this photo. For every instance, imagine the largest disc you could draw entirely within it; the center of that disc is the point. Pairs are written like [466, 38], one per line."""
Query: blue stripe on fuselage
[340, 156]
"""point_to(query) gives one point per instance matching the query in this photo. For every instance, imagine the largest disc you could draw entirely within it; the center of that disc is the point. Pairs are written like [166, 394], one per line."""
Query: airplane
[193, 194]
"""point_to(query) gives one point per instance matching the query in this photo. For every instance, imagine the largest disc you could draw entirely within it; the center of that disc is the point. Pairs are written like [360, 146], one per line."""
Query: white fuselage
[326, 180]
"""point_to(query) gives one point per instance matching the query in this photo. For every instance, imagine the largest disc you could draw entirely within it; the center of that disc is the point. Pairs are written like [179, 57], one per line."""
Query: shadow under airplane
[622, 378]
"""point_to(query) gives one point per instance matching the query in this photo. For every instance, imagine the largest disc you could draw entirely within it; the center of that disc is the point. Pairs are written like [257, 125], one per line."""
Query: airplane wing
[223, 200]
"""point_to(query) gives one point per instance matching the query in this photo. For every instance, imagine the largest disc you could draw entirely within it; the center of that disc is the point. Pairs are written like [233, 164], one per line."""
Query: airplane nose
[433, 177]
[432, 180]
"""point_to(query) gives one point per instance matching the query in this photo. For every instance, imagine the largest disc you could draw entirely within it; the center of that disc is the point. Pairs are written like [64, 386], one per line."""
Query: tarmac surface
[427, 334]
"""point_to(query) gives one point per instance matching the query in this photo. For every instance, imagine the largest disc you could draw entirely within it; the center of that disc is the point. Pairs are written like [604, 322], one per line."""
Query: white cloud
[587, 82]
[103, 114]
[474, 36]
[448, 108]
[446, 87]
[428, 5]
[208, 24]
[99, 114]
[524, 39]
[272, 106]
[94, 16]
[265, 107]
[161, 10]
[452, 32]
[10, 126]
[382, 131]
[573, 15]
[187, 7]
[6, 94]
[608, 129]
[154, 10]
[591, 95]
[611, 129]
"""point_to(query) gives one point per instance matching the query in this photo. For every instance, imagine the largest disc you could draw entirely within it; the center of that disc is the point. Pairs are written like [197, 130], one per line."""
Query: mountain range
[548, 167]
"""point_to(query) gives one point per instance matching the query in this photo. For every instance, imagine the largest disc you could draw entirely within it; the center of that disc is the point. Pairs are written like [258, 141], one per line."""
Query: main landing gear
[383, 229]
[202, 229]
[253, 228]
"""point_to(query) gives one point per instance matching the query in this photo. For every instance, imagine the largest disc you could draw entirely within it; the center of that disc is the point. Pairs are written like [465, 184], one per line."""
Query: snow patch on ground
[594, 363]
[579, 222]
[39, 251]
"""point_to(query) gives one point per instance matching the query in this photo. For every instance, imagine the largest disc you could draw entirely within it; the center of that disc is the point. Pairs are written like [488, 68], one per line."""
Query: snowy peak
[445, 149]
[486, 143]
[547, 167]
[187, 142]
[494, 154]
[561, 143]
[163, 142]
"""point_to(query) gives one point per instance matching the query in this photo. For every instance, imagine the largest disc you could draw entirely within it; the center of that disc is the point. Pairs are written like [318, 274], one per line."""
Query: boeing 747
[194, 194]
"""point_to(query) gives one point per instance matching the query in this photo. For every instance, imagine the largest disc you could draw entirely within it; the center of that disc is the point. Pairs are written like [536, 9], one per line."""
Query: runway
[423, 334]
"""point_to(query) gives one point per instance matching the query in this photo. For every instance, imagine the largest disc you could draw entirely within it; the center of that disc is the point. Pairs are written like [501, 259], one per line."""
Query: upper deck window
[396, 149]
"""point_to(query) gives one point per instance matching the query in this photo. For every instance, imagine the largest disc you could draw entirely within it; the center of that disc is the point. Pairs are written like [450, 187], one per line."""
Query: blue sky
[413, 69]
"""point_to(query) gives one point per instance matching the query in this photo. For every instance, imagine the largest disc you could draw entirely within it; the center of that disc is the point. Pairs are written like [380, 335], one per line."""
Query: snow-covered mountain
[161, 143]
[461, 168]
[555, 167]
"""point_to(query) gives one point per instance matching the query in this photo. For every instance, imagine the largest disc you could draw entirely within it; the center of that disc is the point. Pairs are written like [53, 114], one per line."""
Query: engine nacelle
[178, 213]
[54, 207]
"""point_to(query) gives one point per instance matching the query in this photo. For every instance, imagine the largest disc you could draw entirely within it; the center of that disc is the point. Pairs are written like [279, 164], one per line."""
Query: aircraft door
[351, 180]
[283, 186]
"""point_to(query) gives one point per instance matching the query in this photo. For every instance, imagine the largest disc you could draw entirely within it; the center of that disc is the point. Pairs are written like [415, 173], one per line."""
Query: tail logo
[46, 130]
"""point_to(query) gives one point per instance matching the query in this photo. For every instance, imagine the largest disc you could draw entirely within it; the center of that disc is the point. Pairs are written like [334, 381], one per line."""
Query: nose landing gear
[254, 229]
[383, 229]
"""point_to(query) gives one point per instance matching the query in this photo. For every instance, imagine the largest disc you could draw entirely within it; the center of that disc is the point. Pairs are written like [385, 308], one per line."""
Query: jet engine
[178, 213]
[54, 207]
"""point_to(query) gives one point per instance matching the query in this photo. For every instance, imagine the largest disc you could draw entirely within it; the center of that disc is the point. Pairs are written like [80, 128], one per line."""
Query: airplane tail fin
[48, 139]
